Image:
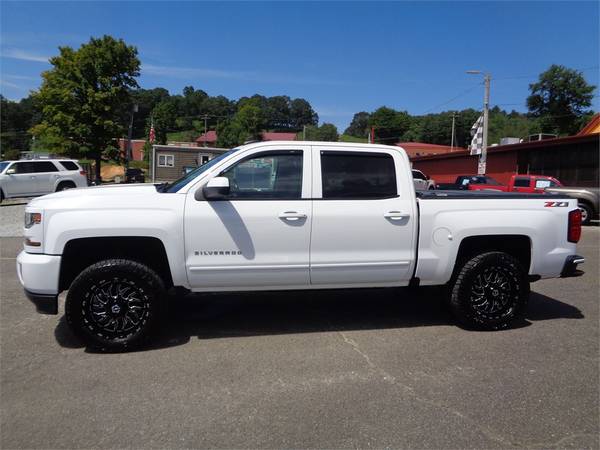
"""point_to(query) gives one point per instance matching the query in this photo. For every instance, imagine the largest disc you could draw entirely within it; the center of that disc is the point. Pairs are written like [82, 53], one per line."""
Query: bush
[139, 164]
[12, 154]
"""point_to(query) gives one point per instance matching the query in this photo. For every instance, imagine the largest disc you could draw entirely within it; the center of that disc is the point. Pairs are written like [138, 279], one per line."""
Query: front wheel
[490, 291]
[115, 305]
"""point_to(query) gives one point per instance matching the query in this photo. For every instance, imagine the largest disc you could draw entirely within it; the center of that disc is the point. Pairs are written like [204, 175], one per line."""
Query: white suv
[27, 178]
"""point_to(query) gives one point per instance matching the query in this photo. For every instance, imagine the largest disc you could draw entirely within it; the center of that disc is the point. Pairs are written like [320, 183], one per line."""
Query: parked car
[261, 217]
[462, 182]
[27, 178]
[588, 200]
[421, 181]
[520, 183]
[133, 175]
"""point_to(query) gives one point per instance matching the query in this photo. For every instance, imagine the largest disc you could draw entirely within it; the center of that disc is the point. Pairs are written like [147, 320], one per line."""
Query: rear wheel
[115, 305]
[64, 185]
[586, 213]
[490, 291]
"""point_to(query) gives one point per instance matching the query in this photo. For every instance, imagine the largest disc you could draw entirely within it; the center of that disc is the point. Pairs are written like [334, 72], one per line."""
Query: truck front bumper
[570, 267]
[39, 276]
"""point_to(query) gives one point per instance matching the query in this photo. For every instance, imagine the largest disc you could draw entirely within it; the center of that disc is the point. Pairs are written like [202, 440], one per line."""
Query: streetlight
[486, 109]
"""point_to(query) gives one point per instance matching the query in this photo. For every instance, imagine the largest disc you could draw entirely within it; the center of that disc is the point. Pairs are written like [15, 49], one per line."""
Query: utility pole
[134, 109]
[205, 129]
[486, 111]
[304, 132]
[452, 139]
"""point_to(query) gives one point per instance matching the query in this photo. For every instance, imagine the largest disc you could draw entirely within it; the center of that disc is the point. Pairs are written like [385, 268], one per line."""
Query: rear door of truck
[364, 217]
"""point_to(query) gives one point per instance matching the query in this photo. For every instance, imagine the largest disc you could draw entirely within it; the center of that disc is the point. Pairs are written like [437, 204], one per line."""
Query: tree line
[86, 101]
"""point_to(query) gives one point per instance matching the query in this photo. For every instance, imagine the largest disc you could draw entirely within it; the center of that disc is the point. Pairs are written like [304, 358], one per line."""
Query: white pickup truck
[288, 216]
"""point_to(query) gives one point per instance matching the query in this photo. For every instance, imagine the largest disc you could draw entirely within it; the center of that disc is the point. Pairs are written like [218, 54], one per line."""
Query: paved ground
[11, 217]
[371, 368]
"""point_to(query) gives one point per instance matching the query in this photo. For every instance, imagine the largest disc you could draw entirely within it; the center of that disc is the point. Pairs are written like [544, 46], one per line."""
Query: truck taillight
[82, 172]
[574, 232]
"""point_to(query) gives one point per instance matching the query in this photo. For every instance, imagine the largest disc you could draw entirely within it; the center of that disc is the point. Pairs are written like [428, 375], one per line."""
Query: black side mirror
[216, 189]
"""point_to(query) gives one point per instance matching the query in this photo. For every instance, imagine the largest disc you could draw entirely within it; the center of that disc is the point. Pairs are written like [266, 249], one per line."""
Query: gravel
[11, 218]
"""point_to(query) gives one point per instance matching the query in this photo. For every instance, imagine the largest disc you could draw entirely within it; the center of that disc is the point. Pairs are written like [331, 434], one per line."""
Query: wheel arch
[517, 245]
[80, 253]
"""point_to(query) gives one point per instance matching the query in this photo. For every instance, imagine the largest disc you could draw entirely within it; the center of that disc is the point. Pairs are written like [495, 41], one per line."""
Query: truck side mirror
[10, 172]
[216, 189]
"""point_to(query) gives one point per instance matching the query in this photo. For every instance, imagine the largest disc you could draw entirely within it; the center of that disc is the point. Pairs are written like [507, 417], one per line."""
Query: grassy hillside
[348, 138]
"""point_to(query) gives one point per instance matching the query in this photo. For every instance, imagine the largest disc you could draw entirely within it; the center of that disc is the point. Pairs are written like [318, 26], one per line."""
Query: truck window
[267, 176]
[542, 184]
[357, 175]
[521, 182]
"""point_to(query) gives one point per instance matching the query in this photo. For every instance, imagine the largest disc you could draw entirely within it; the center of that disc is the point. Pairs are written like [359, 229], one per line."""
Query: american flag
[152, 135]
[477, 133]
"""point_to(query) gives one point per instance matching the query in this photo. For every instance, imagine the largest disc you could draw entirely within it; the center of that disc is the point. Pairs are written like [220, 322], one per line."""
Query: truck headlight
[32, 218]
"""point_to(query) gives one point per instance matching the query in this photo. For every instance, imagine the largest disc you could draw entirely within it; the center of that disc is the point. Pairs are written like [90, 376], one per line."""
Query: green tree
[164, 117]
[231, 134]
[326, 132]
[301, 113]
[389, 124]
[559, 99]
[250, 117]
[359, 127]
[82, 96]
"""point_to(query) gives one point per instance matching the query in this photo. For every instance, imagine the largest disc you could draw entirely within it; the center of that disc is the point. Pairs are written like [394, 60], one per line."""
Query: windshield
[176, 185]
[3, 165]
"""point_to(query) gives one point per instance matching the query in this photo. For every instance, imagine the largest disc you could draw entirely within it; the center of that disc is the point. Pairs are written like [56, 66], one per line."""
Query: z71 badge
[556, 204]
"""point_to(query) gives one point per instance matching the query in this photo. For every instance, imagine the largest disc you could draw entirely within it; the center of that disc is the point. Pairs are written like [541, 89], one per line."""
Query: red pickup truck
[520, 183]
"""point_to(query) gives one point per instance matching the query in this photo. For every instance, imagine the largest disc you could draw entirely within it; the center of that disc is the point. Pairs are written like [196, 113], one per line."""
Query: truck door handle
[292, 215]
[396, 215]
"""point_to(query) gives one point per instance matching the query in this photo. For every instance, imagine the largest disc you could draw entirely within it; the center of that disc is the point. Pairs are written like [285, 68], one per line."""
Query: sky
[343, 57]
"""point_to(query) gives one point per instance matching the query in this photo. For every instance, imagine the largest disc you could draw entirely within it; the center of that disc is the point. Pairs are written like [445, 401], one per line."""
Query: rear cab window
[357, 175]
[521, 182]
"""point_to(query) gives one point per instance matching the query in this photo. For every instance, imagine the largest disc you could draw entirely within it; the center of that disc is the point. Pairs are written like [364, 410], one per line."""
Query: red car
[521, 183]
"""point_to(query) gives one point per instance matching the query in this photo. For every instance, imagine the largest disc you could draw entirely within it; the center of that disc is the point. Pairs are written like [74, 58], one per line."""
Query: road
[368, 368]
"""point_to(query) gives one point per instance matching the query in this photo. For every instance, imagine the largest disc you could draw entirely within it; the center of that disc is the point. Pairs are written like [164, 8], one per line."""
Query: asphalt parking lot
[368, 368]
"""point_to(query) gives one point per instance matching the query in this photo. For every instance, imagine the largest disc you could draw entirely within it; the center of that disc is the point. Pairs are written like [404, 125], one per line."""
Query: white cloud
[190, 72]
[195, 72]
[23, 55]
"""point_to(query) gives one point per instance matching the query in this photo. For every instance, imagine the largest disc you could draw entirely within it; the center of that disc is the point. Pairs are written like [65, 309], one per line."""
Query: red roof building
[277, 136]
[208, 139]
[422, 149]
[137, 148]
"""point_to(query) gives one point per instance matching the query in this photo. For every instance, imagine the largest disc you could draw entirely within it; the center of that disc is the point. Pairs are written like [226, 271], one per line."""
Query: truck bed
[483, 195]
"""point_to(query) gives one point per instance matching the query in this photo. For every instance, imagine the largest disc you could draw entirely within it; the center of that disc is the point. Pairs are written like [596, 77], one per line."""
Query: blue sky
[342, 57]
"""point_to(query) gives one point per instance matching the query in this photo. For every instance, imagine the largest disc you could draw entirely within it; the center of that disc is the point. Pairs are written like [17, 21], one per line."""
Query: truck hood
[118, 193]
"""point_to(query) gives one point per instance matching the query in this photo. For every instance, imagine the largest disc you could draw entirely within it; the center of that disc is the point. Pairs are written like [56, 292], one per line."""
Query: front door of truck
[363, 218]
[259, 236]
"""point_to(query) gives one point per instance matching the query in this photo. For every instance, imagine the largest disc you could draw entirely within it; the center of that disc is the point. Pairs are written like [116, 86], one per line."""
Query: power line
[453, 98]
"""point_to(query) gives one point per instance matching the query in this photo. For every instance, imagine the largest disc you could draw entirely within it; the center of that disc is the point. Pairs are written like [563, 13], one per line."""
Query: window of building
[166, 161]
[357, 175]
[203, 159]
[265, 176]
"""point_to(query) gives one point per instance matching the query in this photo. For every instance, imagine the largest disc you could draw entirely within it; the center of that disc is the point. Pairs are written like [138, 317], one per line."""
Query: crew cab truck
[288, 216]
[520, 183]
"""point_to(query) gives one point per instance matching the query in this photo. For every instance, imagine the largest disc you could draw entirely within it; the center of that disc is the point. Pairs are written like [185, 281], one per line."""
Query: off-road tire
[111, 295]
[489, 291]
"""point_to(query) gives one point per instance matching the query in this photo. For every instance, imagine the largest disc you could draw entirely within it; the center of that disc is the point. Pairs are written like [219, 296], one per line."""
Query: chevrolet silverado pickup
[288, 216]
